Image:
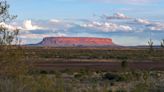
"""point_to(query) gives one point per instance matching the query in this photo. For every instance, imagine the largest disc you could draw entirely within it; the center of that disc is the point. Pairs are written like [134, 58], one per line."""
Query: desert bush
[124, 64]
[112, 77]
[43, 72]
[162, 43]
[150, 43]
[78, 75]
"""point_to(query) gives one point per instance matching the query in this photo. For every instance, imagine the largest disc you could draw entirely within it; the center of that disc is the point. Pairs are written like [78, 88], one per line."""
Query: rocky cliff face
[75, 42]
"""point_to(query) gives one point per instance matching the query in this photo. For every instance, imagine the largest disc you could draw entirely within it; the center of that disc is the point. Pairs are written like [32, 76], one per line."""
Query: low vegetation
[32, 79]
[18, 72]
[131, 81]
[95, 53]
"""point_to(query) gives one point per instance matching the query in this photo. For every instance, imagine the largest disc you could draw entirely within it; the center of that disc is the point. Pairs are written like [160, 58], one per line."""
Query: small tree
[11, 63]
[162, 43]
[6, 35]
[150, 43]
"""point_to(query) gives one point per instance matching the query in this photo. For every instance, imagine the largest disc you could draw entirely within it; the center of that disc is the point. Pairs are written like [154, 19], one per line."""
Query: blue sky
[47, 9]
[125, 21]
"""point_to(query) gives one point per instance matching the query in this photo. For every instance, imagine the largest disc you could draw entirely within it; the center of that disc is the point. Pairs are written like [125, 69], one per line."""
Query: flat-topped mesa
[75, 41]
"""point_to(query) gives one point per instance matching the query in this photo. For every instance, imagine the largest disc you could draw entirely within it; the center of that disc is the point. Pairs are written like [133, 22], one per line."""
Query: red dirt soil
[110, 66]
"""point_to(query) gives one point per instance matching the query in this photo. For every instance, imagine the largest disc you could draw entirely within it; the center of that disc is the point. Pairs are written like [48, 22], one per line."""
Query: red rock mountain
[75, 41]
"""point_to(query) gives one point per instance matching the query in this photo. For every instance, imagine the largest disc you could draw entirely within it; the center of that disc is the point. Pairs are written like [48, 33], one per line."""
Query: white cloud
[150, 25]
[38, 36]
[123, 24]
[55, 20]
[157, 26]
[107, 27]
[125, 28]
[60, 24]
[29, 26]
[118, 16]
[9, 27]
[142, 21]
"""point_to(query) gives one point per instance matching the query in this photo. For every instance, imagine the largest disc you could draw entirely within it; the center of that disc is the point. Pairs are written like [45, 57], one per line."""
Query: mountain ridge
[75, 42]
